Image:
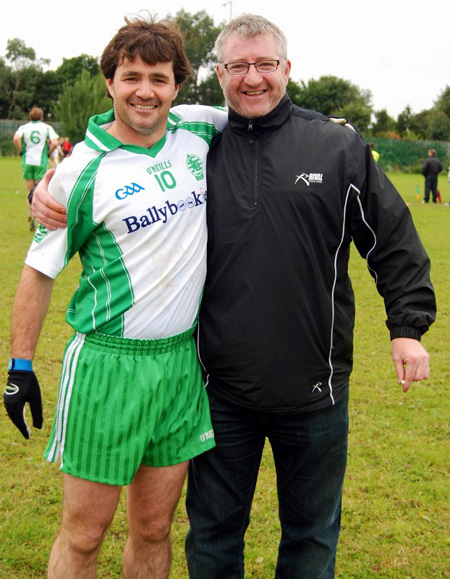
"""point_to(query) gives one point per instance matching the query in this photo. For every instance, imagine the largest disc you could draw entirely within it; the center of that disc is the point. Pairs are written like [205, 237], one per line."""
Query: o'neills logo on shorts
[207, 435]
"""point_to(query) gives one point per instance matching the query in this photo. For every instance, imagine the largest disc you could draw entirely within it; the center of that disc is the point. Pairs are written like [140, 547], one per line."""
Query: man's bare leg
[152, 499]
[88, 510]
[29, 184]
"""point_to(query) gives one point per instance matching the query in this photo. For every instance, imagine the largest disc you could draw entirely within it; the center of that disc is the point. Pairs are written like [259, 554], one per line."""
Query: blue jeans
[310, 455]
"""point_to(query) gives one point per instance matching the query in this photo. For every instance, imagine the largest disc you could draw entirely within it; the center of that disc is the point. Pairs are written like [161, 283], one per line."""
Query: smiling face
[253, 94]
[142, 95]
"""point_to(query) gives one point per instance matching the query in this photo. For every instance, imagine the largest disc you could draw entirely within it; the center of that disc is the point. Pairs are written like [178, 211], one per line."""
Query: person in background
[375, 154]
[66, 147]
[35, 141]
[430, 170]
[54, 157]
[448, 178]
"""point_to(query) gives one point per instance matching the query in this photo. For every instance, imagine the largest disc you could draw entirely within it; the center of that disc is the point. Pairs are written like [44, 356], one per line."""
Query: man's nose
[252, 75]
[145, 89]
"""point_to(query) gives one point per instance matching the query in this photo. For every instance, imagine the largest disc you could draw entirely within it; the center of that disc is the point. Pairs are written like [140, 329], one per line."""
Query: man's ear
[219, 72]
[287, 70]
[109, 87]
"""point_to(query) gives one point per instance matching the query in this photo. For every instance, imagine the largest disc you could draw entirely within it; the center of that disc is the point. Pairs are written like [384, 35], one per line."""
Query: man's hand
[45, 209]
[23, 387]
[411, 361]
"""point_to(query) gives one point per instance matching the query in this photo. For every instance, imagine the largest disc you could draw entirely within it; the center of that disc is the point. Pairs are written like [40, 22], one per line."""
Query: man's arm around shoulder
[45, 209]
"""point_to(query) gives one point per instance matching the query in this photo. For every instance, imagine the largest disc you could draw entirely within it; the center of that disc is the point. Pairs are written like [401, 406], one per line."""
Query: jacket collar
[277, 117]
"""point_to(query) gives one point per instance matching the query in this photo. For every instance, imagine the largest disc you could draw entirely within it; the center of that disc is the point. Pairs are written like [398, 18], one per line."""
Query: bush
[7, 148]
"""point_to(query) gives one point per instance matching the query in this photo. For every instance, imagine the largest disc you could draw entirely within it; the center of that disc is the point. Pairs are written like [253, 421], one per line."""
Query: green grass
[396, 517]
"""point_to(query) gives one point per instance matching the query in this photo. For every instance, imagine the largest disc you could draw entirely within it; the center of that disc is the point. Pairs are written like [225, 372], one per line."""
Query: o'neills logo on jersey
[164, 212]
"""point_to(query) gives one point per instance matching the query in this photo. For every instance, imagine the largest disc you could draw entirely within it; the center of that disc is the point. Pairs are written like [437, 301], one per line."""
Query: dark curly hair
[150, 40]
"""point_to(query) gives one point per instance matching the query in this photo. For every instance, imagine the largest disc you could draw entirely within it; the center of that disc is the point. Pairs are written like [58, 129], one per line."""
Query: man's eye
[265, 65]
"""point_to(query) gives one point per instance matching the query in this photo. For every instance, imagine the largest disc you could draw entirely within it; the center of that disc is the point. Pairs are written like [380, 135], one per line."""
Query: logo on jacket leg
[309, 178]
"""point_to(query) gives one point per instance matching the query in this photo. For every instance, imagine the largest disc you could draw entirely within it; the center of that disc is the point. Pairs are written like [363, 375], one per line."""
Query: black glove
[32, 190]
[23, 387]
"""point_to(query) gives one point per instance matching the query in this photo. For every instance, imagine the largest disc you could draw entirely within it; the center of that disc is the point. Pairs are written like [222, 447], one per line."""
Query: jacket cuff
[406, 332]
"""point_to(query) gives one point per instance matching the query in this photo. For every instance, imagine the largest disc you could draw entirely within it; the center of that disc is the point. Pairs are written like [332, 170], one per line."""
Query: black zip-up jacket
[287, 193]
[431, 167]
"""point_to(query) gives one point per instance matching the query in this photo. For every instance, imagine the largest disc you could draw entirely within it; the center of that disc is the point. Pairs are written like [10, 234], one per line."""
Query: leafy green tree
[47, 90]
[419, 124]
[358, 113]
[199, 37]
[443, 101]
[5, 83]
[80, 101]
[71, 68]
[329, 94]
[26, 68]
[293, 89]
[404, 120]
[210, 92]
[383, 124]
[334, 96]
[438, 126]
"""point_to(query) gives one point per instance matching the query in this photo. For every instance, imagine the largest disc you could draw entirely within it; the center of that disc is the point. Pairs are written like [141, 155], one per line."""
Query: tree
[404, 121]
[383, 124]
[25, 67]
[358, 113]
[5, 82]
[329, 94]
[334, 96]
[199, 38]
[80, 101]
[71, 68]
[419, 124]
[443, 101]
[210, 91]
[438, 126]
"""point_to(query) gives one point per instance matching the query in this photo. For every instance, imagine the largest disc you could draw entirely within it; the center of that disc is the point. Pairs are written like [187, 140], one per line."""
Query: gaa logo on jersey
[131, 189]
[195, 166]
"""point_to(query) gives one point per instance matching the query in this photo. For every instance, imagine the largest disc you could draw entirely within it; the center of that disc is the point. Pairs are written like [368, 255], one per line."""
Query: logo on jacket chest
[309, 178]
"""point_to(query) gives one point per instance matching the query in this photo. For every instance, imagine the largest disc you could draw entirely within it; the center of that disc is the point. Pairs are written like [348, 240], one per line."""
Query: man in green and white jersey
[132, 406]
[35, 141]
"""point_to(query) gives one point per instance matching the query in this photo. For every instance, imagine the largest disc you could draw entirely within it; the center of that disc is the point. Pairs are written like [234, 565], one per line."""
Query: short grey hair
[249, 26]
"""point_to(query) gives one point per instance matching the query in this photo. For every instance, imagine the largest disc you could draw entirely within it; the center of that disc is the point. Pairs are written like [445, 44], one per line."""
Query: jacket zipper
[255, 143]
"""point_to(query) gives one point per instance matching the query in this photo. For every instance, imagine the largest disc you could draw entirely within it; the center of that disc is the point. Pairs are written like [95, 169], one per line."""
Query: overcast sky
[399, 50]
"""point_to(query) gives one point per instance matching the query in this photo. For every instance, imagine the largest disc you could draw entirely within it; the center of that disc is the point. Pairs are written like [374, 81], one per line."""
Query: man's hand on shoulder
[44, 208]
[411, 361]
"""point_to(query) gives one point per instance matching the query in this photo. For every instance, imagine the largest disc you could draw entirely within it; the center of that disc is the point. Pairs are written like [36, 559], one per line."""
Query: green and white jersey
[137, 218]
[35, 135]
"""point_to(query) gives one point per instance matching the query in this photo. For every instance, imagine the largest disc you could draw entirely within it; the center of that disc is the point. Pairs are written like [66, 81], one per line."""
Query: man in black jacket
[430, 170]
[288, 191]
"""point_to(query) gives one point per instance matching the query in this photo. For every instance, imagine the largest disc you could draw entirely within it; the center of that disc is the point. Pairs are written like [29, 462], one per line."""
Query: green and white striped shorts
[123, 403]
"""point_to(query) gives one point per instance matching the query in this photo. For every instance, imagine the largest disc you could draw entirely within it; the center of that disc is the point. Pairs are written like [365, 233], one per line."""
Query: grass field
[396, 513]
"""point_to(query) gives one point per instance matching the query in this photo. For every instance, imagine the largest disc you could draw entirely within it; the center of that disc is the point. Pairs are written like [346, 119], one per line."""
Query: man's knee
[151, 530]
[83, 541]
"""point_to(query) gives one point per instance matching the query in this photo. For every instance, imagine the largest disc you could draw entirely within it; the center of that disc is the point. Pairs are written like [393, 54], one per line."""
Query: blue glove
[23, 387]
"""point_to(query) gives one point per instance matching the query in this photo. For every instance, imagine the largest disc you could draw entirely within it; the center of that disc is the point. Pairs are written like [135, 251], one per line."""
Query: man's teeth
[145, 107]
